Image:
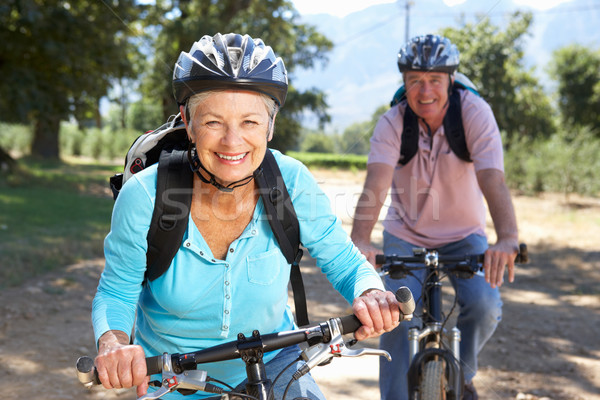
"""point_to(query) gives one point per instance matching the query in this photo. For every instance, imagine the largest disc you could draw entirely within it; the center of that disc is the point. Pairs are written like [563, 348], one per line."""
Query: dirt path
[547, 346]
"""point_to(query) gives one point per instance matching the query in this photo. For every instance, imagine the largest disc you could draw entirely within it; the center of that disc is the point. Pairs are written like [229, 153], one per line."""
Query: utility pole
[406, 34]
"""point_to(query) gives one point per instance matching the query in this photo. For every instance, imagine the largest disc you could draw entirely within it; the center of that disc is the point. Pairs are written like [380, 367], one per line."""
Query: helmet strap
[196, 165]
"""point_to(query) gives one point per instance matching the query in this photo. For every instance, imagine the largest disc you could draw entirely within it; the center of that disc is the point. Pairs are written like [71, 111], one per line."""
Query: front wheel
[433, 381]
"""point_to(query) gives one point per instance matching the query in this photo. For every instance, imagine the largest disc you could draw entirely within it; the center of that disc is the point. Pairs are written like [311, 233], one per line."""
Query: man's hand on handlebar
[377, 311]
[121, 365]
[497, 258]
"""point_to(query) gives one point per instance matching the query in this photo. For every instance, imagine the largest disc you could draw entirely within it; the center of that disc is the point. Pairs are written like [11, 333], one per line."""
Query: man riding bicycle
[437, 199]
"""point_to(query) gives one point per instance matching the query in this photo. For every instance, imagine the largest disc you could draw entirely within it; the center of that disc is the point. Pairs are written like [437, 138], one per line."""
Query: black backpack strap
[454, 129]
[174, 184]
[410, 136]
[284, 223]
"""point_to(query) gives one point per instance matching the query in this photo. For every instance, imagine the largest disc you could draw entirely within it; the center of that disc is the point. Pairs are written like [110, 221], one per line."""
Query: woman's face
[231, 130]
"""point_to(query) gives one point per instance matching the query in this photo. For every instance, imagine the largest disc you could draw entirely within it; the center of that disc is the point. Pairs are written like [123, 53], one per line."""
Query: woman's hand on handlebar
[497, 258]
[121, 365]
[377, 311]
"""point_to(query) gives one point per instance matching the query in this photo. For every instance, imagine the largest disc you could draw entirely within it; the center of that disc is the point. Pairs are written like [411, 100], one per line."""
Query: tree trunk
[45, 137]
[7, 164]
[97, 115]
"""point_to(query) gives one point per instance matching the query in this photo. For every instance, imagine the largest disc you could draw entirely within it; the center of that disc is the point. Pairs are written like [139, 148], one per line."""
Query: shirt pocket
[265, 268]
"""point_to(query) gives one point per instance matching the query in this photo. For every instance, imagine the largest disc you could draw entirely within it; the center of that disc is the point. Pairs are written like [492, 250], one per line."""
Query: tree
[317, 142]
[577, 70]
[356, 137]
[144, 116]
[492, 59]
[176, 25]
[59, 57]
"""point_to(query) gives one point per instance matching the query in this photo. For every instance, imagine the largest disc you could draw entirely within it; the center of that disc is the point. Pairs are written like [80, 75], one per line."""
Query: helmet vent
[235, 57]
[440, 50]
[426, 52]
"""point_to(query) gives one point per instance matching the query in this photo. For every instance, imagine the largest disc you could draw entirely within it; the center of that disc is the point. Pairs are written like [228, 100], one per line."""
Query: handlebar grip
[86, 371]
[349, 323]
[523, 256]
[380, 259]
[154, 365]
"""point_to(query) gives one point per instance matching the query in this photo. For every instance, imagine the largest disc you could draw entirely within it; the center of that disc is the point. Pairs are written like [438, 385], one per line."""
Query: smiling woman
[229, 89]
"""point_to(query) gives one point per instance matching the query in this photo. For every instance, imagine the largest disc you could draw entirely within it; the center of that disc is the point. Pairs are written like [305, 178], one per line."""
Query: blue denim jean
[303, 387]
[480, 313]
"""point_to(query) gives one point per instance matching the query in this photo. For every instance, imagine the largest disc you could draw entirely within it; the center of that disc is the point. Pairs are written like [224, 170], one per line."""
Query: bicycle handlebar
[321, 333]
[420, 255]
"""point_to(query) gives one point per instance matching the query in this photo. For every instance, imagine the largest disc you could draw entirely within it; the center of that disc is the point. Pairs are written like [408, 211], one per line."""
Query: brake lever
[323, 353]
[188, 379]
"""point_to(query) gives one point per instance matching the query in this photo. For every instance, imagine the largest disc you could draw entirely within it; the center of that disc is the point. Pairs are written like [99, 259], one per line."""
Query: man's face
[427, 95]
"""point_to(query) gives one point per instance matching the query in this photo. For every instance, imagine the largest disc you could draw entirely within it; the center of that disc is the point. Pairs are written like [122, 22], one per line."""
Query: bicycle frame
[426, 343]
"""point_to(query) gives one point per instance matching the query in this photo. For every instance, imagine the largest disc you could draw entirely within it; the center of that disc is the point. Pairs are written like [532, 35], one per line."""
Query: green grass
[51, 215]
[326, 160]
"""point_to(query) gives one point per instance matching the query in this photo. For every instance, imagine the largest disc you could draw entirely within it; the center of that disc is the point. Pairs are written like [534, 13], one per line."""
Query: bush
[16, 138]
[99, 144]
[315, 142]
[566, 162]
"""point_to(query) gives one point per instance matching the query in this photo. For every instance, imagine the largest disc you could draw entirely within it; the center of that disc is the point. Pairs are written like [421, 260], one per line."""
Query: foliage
[177, 25]
[15, 138]
[492, 59]
[91, 143]
[566, 162]
[97, 144]
[317, 142]
[143, 116]
[577, 71]
[572, 158]
[60, 57]
[356, 137]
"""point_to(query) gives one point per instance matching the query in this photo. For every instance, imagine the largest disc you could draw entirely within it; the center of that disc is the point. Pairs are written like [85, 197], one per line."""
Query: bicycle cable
[242, 395]
[287, 388]
[271, 390]
[209, 379]
[446, 317]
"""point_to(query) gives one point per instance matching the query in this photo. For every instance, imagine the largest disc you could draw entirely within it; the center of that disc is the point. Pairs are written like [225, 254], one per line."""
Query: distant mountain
[362, 74]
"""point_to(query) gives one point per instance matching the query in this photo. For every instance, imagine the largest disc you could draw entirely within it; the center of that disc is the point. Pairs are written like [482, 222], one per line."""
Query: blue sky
[341, 8]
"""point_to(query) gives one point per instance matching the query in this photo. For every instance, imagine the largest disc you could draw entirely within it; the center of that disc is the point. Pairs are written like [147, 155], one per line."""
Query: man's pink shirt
[435, 198]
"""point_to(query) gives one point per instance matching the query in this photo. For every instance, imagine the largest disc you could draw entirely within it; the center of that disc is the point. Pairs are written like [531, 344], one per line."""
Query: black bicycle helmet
[229, 61]
[428, 53]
